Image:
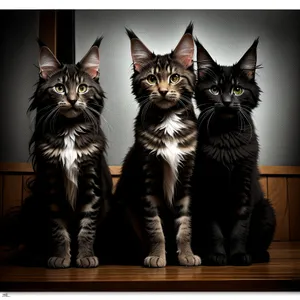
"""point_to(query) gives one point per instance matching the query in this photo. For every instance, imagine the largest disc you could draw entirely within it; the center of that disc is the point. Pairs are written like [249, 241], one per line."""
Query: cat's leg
[186, 256]
[155, 235]
[89, 201]
[245, 177]
[216, 254]
[61, 256]
[262, 229]
[60, 238]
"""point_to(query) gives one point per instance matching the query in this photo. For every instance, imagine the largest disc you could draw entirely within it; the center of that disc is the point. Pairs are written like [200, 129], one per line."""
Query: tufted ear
[204, 60]
[90, 62]
[248, 62]
[140, 54]
[184, 51]
[48, 63]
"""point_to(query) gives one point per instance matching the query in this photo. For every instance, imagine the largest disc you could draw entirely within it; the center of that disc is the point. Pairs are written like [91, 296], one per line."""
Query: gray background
[225, 34]
[18, 54]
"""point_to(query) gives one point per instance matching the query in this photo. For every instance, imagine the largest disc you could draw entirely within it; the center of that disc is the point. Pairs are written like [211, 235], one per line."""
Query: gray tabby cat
[155, 181]
[73, 183]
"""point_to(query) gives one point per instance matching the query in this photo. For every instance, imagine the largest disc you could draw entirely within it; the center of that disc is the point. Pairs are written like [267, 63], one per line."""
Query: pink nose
[163, 92]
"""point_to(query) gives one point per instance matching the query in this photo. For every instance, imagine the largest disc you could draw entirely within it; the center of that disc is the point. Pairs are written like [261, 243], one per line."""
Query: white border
[152, 4]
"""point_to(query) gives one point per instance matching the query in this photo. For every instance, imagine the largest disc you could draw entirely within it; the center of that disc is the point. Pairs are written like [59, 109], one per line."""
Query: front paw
[241, 259]
[189, 260]
[155, 261]
[87, 262]
[216, 259]
[58, 262]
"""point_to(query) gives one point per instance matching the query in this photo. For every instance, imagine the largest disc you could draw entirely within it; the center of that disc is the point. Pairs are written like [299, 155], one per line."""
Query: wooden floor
[281, 274]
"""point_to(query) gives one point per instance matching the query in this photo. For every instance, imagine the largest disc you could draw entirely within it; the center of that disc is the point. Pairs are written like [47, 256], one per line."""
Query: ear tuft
[248, 62]
[90, 62]
[48, 63]
[204, 60]
[184, 51]
[140, 54]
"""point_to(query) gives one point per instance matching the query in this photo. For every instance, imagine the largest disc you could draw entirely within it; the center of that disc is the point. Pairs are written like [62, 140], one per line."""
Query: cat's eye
[238, 91]
[151, 79]
[174, 78]
[82, 89]
[214, 90]
[59, 88]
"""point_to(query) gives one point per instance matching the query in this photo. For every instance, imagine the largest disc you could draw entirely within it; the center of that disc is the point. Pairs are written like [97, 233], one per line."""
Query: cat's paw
[155, 262]
[216, 259]
[58, 262]
[189, 260]
[87, 262]
[241, 259]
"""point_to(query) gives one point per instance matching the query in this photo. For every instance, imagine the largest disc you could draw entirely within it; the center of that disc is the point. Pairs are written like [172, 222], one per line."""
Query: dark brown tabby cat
[155, 181]
[73, 183]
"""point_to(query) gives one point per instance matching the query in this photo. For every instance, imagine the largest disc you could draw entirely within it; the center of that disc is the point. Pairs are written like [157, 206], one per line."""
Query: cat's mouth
[71, 112]
[227, 112]
[165, 103]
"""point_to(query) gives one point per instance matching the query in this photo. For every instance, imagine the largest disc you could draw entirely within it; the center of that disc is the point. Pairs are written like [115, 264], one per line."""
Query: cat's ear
[184, 51]
[48, 63]
[140, 54]
[204, 60]
[90, 62]
[248, 62]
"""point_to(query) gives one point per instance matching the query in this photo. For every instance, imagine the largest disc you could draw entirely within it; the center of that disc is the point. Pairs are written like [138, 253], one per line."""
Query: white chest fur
[69, 157]
[171, 153]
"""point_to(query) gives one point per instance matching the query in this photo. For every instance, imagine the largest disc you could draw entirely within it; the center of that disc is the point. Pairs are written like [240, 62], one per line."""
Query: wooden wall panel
[294, 206]
[12, 192]
[264, 185]
[115, 180]
[277, 193]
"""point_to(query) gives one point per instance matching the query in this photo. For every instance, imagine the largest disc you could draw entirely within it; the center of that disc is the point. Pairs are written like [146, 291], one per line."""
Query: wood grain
[12, 192]
[6, 167]
[281, 274]
[277, 193]
[264, 185]
[294, 207]
[47, 29]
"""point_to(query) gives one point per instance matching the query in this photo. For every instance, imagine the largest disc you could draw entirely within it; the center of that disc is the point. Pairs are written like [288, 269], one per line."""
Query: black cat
[232, 221]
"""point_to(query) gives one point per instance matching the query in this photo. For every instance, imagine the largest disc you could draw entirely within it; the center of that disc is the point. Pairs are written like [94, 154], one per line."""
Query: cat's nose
[227, 101]
[163, 92]
[72, 101]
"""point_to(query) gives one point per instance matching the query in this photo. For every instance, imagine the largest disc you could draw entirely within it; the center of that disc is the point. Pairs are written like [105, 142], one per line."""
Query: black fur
[232, 221]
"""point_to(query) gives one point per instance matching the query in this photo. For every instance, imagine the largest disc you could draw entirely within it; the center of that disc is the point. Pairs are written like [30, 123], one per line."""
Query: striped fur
[156, 171]
[73, 182]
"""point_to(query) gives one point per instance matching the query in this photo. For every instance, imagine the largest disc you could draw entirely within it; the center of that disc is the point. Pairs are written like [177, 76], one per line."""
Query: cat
[155, 181]
[72, 186]
[233, 223]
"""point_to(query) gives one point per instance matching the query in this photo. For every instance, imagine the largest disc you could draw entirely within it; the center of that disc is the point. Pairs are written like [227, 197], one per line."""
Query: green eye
[174, 78]
[214, 90]
[82, 89]
[238, 91]
[151, 79]
[59, 88]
